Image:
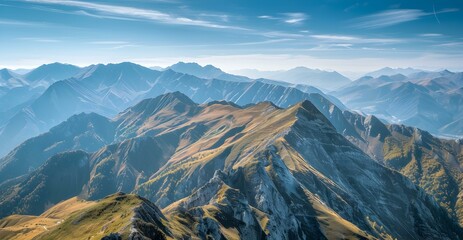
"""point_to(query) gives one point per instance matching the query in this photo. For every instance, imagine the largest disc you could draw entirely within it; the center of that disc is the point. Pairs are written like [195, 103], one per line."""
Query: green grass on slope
[110, 215]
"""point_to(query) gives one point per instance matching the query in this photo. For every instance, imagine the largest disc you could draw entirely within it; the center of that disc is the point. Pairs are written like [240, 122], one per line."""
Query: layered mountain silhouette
[427, 100]
[387, 71]
[108, 89]
[220, 170]
[302, 75]
[207, 72]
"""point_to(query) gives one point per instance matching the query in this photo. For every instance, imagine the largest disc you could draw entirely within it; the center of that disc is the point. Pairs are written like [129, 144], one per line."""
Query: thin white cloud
[389, 18]
[221, 17]
[450, 44]
[334, 46]
[289, 18]
[101, 16]
[267, 17]
[263, 42]
[23, 23]
[354, 39]
[279, 34]
[108, 42]
[393, 17]
[334, 37]
[135, 13]
[431, 35]
[295, 18]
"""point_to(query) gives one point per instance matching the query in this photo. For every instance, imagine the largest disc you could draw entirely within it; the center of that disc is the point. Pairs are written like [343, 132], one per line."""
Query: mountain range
[220, 170]
[325, 80]
[387, 71]
[201, 153]
[427, 100]
[108, 89]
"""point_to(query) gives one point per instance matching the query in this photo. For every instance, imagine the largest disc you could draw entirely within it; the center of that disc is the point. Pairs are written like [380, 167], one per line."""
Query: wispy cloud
[108, 42]
[450, 44]
[263, 42]
[355, 39]
[431, 35]
[295, 18]
[107, 10]
[22, 23]
[279, 34]
[289, 18]
[393, 17]
[101, 16]
[267, 17]
[220, 17]
[335, 46]
[334, 37]
[389, 18]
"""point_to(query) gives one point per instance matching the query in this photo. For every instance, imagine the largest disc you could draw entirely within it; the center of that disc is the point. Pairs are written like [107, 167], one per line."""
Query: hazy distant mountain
[427, 100]
[444, 74]
[87, 132]
[157, 68]
[10, 79]
[108, 89]
[21, 71]
[206, 72]
[90, 131]
[228, 169]
[15, 92]
[387, 71]
[47, 74]
[18, 90]
[105, 89]
[302, 75]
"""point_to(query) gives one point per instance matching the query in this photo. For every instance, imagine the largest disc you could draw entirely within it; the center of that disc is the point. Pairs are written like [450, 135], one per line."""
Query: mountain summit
[302, 75]
[254, 172]
[207, 72]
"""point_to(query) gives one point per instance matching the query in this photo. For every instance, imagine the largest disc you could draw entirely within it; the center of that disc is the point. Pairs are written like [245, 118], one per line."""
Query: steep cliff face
[432, 163]
[285, 172]
[257, 172]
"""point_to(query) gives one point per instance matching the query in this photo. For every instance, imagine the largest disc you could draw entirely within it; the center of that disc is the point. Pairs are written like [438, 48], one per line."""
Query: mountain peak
[307, 110]
[176, 101]
[388, 71]
[52, 72]
[304, 69]
[195, 69]
[445, 71]
[376, 127]
[5, 74]
[55, 64]
[223, 102]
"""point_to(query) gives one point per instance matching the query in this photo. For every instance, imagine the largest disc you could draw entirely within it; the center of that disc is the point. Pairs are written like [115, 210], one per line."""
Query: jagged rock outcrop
[258, 172]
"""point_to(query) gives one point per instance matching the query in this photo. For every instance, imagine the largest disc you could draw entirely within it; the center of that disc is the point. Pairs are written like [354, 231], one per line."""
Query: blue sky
[349, 36]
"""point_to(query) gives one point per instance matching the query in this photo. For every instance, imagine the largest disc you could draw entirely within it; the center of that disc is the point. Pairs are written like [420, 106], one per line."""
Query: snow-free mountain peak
[387, 71]
[207, 72]
[52, 72]
[302, 75]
